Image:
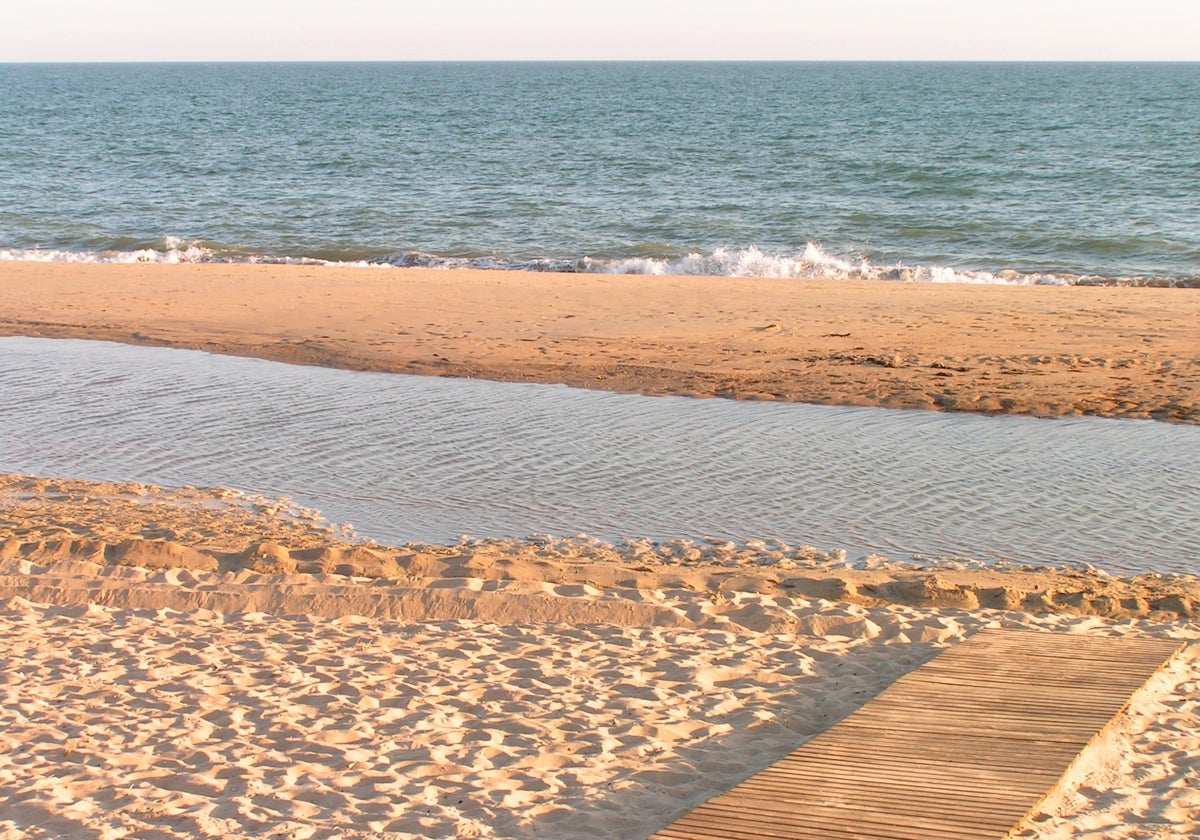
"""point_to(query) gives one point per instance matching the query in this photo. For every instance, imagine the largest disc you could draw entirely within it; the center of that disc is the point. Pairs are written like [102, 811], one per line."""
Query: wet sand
[49, 521]
[1048, 351]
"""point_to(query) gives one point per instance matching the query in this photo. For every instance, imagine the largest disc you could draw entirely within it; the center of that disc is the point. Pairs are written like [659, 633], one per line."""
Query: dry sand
[1114, 352]
[183, 663]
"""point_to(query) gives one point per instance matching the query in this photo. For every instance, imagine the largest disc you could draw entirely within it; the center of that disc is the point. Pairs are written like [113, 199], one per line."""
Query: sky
[405, 30]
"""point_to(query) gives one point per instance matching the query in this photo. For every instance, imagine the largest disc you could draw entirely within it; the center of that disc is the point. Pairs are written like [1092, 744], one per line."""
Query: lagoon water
[405, 458]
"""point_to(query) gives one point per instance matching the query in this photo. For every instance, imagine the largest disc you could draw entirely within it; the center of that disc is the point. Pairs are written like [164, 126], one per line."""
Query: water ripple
[409, 458]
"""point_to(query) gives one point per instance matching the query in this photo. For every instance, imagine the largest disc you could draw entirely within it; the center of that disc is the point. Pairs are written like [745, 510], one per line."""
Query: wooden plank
[779, 814]
[963, 748]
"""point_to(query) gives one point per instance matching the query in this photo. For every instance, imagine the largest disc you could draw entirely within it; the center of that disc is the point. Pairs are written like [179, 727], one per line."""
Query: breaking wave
[809, 263]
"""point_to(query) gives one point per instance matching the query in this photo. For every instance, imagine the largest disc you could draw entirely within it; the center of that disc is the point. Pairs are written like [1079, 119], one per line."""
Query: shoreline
[109, 528]
[1043, 351]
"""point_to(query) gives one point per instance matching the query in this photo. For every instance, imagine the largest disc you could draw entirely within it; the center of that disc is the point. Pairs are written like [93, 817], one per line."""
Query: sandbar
[1046, 351]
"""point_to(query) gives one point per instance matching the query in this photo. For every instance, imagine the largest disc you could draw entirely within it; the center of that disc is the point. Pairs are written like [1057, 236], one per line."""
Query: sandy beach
[198, 662]
[1049, 351]
[189, 662]
[504, 447]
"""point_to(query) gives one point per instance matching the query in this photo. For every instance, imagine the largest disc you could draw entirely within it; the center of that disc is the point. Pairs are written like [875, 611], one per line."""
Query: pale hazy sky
[272, 30]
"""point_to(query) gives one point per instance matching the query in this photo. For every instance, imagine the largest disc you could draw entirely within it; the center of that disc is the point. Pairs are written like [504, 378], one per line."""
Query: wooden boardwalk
[963, 748]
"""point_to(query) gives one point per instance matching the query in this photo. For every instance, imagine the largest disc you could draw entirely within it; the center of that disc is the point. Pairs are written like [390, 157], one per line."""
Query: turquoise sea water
[1017, 173]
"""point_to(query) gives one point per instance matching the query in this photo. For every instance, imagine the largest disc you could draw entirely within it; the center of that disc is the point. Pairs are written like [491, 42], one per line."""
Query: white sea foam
[813, 263]
[810, 263]
[173, 250]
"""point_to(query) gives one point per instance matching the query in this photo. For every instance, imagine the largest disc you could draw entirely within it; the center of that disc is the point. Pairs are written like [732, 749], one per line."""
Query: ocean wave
[813, 263]
[810, 263]
[170, 250]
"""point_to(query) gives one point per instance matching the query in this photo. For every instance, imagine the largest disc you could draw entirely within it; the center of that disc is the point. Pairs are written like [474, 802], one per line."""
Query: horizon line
[603, 61]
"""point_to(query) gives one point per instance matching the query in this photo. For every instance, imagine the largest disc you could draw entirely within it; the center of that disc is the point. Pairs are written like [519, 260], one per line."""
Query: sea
[1021, 173]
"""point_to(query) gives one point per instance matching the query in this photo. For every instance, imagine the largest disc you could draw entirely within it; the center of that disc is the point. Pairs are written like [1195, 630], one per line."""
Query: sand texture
[195, 723]
[195, 663]
[115, 525]
[1113, 352]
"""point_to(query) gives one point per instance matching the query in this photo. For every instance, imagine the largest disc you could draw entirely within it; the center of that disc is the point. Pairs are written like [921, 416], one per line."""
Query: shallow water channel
[405, 458]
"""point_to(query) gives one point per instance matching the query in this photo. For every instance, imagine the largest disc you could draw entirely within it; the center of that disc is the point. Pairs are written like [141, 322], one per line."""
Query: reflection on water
[410, 458]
